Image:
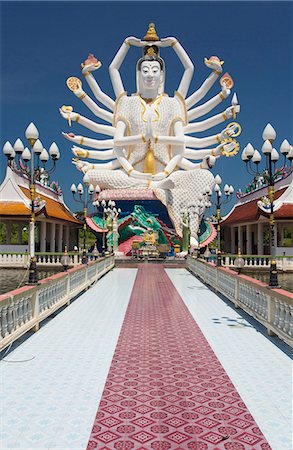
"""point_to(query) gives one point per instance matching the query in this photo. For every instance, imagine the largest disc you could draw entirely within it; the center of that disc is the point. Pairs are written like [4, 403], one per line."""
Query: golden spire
[151, 34]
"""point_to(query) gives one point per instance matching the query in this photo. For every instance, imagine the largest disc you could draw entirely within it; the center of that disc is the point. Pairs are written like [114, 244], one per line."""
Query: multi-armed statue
[150, 144]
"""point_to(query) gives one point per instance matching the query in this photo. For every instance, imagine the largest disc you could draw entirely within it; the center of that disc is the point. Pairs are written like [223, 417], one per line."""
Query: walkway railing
[22, 260]
[284, 263]
[255, 262]
[271, 307]
[23, 309]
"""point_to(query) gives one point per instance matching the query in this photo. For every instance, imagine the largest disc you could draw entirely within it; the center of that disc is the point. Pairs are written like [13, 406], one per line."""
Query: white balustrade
[23, 309]
[271, 307]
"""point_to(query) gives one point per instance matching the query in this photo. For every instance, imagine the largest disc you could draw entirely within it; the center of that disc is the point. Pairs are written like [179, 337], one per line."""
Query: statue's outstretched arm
[209, 105]
[185, 60]
[215, 64]
[94, 143]
[210, 140]
[201, 154]
[84, 166]
[98, 128]
[118, 60]
[202, 91]
[205, 164]
[95, 88]
[213, 121]
[99, 112]
[93, 154]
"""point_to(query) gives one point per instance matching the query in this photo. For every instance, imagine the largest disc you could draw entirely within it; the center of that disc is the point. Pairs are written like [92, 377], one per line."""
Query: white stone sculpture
[150, 144]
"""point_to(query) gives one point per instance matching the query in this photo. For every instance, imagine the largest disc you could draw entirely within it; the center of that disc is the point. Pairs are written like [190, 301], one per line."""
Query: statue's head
[150, 71]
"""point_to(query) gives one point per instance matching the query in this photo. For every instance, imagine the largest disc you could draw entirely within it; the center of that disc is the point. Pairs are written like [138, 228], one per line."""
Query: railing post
[236, 295]
[36, 309]
[68, 288]
[271, 314]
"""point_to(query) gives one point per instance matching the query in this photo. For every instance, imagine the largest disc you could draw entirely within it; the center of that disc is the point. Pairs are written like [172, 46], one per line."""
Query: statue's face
[151, 74]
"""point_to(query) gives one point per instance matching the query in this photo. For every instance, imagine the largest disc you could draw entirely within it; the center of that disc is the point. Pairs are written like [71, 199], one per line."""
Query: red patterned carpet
[166, 389]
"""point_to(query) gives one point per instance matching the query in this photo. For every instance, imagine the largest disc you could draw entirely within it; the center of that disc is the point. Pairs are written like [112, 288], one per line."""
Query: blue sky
[43, 43]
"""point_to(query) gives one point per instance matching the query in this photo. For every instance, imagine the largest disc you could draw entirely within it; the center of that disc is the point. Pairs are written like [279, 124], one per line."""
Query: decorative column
[43, 236]
[52, 237]
[248, 239]
[66, 236]
[240, 238]
[232, 230]
[260, 238]
[60, 237]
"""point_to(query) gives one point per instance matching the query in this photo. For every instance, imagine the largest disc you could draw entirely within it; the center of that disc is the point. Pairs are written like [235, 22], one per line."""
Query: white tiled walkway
[51, 401]
[260, 371]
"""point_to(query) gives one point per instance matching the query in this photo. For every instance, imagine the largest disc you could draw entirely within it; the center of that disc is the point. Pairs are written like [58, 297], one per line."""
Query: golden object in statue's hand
[227, 80]
[73, 83]
[68, 110]
[232, 152]
[237, 132]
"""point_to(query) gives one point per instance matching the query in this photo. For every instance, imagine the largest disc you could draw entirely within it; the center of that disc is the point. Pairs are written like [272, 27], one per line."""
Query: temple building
[56, 225]
[246, 226]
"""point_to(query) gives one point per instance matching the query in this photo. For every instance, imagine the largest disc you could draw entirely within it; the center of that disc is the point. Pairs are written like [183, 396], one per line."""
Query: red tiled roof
[248, 212]
[285, 212]
[14, 209]
[53, 208]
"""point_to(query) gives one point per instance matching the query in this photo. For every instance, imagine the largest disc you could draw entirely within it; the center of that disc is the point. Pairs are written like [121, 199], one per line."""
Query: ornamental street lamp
[228, 190]
[104, 205]
[251, 155]
[18, 158]
[85, 197]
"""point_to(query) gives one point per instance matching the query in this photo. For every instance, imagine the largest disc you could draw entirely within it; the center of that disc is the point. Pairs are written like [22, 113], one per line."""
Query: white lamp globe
[218, 179]
[86, 178]
[274, 155]
[231, 190]
[267, 147]
[73, 188]
[91, 189]
[7, 149]
[44, 156]
[31, 132]
[54, 151]
[80, 188]
[256, 157]
[269, 133]
[38, 147]
[26, 155]
[18, 146]
[249, 150]
[244, 157]
[285, 147]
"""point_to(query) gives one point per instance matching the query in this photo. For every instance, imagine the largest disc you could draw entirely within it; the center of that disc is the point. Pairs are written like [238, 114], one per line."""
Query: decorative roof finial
[151, 34]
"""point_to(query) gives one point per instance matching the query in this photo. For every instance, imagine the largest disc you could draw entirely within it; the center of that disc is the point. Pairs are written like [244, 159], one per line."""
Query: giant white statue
[150, 144]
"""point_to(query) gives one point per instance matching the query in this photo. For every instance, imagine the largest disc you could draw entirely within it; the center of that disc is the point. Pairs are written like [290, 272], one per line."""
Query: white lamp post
[272, 156]
[18, 150]
[83, 194]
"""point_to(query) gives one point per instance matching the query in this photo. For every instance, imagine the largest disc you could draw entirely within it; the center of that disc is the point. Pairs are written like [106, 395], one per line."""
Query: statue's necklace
[155, 101]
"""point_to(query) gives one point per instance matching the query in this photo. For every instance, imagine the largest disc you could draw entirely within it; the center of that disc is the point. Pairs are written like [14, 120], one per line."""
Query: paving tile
[261, 372]
[160, 346]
